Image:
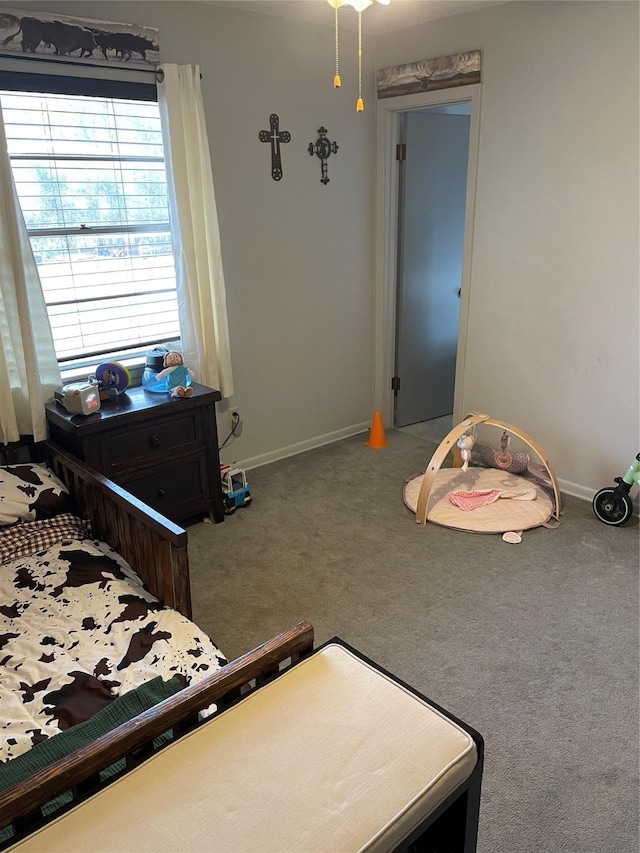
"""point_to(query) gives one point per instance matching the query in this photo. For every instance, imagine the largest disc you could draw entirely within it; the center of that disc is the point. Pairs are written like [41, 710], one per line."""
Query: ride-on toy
[235, 489]
[614, 506]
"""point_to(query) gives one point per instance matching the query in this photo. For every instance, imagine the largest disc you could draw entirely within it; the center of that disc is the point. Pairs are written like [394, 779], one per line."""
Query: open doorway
[432, 189]
[395, 125]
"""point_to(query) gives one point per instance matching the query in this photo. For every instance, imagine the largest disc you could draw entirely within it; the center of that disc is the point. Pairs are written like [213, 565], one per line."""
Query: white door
[431, 230]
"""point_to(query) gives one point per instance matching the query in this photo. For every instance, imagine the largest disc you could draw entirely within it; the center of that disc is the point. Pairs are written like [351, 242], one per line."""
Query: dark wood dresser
[161, 449]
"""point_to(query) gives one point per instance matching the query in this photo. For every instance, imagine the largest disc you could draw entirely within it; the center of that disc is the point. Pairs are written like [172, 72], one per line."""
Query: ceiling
[376, 19]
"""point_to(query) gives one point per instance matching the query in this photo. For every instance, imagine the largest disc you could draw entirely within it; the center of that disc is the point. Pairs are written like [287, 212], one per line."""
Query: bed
[100, 662]
[287, 745]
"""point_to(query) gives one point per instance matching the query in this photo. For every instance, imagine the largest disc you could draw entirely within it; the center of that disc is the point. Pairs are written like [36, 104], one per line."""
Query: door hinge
[401, 151]
[395, 383]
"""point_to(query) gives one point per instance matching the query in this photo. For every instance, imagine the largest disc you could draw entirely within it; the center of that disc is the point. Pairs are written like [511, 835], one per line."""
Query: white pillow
[29, 492]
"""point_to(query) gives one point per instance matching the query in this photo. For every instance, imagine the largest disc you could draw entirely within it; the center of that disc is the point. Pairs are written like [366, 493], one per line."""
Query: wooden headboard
[18, 451]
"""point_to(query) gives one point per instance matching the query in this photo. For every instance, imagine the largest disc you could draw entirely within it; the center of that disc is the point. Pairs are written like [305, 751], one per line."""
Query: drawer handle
[156, 440]
[161, 493]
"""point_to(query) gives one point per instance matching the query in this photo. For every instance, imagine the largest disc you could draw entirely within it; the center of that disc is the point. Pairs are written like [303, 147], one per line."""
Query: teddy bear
[177, 374]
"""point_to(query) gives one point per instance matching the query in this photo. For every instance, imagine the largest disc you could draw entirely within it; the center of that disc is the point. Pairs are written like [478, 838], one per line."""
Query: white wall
[553, 333]
[297, 255]
[553, 322]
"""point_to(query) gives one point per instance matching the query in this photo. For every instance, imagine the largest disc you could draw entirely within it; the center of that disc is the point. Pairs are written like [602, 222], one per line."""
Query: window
[90, 174]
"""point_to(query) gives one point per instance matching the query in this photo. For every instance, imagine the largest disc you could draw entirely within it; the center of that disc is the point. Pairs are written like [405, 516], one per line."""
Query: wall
[553, 332]
[553, 318]
[297, 254]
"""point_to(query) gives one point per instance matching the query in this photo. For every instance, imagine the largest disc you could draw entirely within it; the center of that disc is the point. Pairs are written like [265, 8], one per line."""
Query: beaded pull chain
[360, 104]
[337, 82]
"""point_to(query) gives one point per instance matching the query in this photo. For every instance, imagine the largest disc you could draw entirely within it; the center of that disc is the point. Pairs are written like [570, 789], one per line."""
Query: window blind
[90, 176]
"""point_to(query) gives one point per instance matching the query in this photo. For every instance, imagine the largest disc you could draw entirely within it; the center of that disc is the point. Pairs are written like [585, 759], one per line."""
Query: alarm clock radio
[79, 398]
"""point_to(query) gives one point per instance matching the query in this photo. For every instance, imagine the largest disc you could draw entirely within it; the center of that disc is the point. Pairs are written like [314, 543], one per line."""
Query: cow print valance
[77, 39]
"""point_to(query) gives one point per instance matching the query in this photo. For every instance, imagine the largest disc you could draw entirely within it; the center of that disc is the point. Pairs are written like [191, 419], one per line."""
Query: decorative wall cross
[275, 137]
[323, 148]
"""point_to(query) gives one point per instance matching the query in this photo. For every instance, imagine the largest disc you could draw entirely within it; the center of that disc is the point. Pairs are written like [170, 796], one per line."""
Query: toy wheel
[611, 509]
[247, 499]
[229, 506]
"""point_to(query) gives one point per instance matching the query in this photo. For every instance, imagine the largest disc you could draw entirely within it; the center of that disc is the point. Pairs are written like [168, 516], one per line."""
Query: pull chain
[360, 104]
[337, 82]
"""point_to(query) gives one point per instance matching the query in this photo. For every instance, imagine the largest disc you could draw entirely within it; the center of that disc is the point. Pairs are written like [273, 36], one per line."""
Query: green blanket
[123, 708]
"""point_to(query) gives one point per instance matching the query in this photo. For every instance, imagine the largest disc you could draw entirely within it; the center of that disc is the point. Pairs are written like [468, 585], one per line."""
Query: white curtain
[29, 370]
[194, 222]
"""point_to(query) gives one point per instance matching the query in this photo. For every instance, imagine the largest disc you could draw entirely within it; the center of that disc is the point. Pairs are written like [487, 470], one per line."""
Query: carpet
[535, 645]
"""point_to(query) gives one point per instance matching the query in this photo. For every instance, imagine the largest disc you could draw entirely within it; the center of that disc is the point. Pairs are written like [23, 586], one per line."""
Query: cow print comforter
[77, 629]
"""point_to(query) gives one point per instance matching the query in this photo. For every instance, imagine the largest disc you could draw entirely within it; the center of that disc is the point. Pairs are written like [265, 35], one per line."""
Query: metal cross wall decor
[323, 148]
[275, 137]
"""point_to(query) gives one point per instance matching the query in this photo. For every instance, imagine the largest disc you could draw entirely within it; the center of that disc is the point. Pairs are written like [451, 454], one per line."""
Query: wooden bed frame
[154, 547]
[157, 550]
[78, 773]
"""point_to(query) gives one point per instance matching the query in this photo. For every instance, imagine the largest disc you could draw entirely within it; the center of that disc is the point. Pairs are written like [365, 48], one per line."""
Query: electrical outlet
[235, 421]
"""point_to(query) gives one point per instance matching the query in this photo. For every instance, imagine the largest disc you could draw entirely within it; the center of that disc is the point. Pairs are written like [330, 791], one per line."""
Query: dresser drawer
[151, 444]
[177, 490]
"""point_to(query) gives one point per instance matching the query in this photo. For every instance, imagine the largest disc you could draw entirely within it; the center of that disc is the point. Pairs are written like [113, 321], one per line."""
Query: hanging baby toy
[178, 375]
[465, 443]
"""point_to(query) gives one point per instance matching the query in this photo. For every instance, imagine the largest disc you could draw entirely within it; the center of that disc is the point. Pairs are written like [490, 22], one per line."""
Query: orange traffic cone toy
[377, 437]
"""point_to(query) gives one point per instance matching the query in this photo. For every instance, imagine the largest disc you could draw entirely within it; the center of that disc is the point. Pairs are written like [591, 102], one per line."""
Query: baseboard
[577, 491]
[566, 486]
[301, 447]
[587, 493]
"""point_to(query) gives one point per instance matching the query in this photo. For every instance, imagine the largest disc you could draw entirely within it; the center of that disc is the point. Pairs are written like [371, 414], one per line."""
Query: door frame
[388, 119]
